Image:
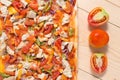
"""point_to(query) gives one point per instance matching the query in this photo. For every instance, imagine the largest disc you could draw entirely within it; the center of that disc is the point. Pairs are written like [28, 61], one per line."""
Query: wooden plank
[85, 76]
[113, 69]
[114, 2]
[112, 50]
[113, 10]
[85, 30]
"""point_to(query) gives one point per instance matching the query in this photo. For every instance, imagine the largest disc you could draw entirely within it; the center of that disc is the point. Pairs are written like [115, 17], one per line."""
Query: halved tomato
[98, 38]
[97, 17]
[99, 62]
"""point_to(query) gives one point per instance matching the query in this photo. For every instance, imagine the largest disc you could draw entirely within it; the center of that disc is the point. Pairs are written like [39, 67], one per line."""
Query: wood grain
[113, 10]
[112, 50]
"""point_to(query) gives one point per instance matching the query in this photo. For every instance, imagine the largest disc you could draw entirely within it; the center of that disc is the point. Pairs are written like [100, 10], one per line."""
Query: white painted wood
[84, 76]
[113, 10]
[114, 2]
[112, 50]
[85, 30]
[113, 69]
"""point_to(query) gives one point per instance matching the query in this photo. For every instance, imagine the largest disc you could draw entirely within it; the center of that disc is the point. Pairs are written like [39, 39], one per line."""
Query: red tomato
[17, 41]
[58, 43]
[55, 74]
[26, 48]
[98, 62]
[98, 38]
[34, 5]
[17, 5]
[48, 29]
[97, 17]
[24, 12]
[29, 22]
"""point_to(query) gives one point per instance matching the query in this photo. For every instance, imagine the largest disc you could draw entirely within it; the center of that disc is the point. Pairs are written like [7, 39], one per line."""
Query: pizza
[38, 40]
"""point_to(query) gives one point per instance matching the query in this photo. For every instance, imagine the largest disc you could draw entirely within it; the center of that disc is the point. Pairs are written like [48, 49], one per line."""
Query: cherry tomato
[98, 62]
[98, 38]
[97, 17]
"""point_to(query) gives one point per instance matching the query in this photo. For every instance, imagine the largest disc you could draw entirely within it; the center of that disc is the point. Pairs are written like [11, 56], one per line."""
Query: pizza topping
[11, 68]
[61, 3]
[10, 78]
[70, 46]
[48, 35]
[59, 78]
[4, 11]
[6, 2]
[30, 78]
[67, 47]
[36, 40]
[63, 34]
[41, 4]
[51, 41]
[31, 14]
[22, 44]
[12, 10]
[65, 19]
[44, 18]
[41, 76]
[10, 51]
[24, 3]
[39, 55]
[67, 71]
[25, 36]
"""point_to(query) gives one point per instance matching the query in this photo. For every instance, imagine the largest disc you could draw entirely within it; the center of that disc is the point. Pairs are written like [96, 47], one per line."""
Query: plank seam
[112, 3]
[108, 21]
[90, 74]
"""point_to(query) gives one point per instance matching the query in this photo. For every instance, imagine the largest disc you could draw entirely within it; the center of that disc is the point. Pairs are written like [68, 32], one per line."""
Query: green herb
[71, 32]
[39, 43]
[30, 28]
[29, 58]
[0, 33]
[4, 75]
[48, 71]
[63, 56]
[48, 6]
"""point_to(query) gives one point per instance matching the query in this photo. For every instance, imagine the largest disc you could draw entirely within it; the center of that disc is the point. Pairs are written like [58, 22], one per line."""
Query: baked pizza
[38, 40]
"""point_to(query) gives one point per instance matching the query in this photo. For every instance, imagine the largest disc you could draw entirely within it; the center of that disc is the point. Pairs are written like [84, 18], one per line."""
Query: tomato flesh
[97, 17]
[98, 62]
[98, 38]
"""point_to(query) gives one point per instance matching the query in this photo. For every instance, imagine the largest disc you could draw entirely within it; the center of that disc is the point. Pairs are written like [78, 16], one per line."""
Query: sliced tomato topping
[99, 62]
[26, 48]
[55, 74]
[29, 22]
[24, 12]
[58, 43]
[34, 5]
[17, 5]
[69, 8]
[48, 28]
[17, 40]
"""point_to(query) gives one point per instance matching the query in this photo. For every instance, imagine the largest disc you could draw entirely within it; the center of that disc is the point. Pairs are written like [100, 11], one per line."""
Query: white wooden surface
[112, 49]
